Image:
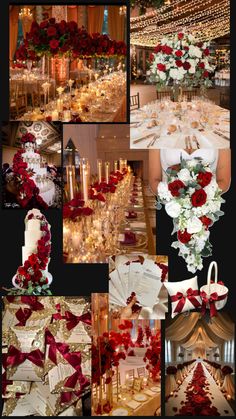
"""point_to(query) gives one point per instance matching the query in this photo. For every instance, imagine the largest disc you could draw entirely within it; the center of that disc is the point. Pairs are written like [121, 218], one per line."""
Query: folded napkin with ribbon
[128, 238]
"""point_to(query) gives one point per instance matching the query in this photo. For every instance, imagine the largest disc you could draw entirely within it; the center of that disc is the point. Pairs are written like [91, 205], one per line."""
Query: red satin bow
[211, 301]
[181, 298]
[54, 346]
[23, 315]
[72, 320]
[32, 302]
[16, 357]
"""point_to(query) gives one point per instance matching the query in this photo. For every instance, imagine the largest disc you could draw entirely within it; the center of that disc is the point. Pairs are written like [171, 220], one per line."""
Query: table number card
[137, 386]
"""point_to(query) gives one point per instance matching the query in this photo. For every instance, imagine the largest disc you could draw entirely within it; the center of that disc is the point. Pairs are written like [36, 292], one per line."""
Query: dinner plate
[141, 240]
[140, 397]
[155, 389]
[120, 411]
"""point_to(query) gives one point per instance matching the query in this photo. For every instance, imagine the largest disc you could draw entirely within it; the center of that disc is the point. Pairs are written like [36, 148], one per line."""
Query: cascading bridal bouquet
[193, 199]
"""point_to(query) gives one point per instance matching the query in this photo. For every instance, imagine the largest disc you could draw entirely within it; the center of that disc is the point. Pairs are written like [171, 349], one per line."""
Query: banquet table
[103, 100]
[166, 124]
[216, 396]
[113, 219]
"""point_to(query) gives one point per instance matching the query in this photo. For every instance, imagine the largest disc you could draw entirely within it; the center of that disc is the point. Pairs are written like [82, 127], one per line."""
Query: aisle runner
[218, 400]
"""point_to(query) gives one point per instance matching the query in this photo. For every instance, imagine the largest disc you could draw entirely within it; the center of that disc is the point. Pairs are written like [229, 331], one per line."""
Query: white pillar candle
[85, 183]
[59, 105]
[55, 115]
[115, 166]
[99, 169]
[71, 184]
[107, 171]
[67, 115]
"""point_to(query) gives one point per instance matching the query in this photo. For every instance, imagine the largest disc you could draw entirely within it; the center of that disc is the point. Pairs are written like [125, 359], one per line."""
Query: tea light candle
[107, 171]
[99, 169]
[67, 115]
[55, 115]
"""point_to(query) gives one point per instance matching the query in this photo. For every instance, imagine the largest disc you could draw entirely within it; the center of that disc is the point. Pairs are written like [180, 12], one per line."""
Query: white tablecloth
[216, 135]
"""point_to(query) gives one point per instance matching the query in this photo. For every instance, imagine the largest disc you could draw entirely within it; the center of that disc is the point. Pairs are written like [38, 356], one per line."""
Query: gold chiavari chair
[191, 94]
[130, 374]
[134, 102]
[18, 98]
[163, 94]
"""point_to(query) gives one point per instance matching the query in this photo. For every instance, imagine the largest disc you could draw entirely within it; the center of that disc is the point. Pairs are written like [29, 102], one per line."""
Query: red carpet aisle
[198, 395]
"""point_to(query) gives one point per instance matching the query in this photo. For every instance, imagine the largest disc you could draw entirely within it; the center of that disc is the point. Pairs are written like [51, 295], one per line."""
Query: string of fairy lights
[205, 19]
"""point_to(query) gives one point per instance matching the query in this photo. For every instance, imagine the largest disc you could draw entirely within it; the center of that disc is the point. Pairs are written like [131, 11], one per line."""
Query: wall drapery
[13, 31]
[95, 19]
[116, 24]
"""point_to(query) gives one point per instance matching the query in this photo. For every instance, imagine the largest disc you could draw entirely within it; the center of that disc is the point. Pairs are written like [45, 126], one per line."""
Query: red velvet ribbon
[181, 298]
[23, 315]
[32, 302]
[16, 357]
[72, 320]
[54, 346]
[211, 301]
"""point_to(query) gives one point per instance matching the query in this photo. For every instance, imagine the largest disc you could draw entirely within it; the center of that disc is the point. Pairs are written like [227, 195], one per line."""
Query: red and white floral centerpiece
[181, 60]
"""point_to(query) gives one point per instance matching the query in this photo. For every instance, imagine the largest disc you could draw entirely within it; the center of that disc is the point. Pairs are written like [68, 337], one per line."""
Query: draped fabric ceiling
[192, 331]
[94, 18]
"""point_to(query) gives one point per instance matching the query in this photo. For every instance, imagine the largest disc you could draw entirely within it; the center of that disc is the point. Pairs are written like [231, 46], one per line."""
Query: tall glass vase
[29, 64]
[177, 92]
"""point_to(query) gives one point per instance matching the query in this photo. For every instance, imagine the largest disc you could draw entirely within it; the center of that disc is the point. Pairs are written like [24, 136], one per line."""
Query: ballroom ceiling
[49, 134]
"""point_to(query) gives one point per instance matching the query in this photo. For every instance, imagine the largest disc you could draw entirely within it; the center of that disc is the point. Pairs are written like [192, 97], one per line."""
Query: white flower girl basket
[214, 295]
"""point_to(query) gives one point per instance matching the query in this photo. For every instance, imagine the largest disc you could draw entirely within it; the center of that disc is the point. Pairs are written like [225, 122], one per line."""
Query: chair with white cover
[141, 372]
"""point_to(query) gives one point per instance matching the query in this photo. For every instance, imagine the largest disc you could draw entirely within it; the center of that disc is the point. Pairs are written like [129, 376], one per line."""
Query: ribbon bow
[54, 346]
[23, 315]
[211, 300]
[16, 357]
[181, 298]
[74, 359]
[32, 302]
[72, 320]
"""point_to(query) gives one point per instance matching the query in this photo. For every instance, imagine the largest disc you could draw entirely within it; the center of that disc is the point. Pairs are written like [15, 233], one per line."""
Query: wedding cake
[35, 253]
[33, 160]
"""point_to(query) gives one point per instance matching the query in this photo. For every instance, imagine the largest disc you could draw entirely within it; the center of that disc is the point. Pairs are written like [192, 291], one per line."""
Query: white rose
[163, 191]
[194, 225]
[162, 75]
[173, 73]
[192, 70]
[184, 175]
[173, 209]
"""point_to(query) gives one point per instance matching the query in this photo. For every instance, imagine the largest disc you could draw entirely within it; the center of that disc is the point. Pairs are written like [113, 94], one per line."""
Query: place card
[137, 385]
[147, 290]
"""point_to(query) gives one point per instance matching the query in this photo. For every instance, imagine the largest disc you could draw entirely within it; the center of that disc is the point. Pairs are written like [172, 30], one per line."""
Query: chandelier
[122, 10]
[25, 13]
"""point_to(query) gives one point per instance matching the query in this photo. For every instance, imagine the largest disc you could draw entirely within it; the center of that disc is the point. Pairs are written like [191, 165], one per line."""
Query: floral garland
[153, 356]
[66, 38]
[23, 176]
[139, 341]
[193, 199]
[30, 277]
[180, 58]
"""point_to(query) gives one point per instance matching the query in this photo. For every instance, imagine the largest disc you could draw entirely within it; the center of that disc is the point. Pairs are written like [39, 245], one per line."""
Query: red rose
[54, 44]
[87, 211]
[204, 178]
[186, 65]
[52, 20]
[175, 186]
[178, 53]
[167, 50]
[184, 236]
[158, 48]
[200, 44]
[201, 65]
[161, 67]
[66, 212]
[207, 222]
[206, 74]
[76, 203]
[51, 31]
[151, 57]
[199, 198]
[186, 48]
[180, 36]
[179, 63]
[206, 51]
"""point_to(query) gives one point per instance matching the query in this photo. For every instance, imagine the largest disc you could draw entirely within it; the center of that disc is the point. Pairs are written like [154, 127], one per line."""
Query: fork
[152, 142]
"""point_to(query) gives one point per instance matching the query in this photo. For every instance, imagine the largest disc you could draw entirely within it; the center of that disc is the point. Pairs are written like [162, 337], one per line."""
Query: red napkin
[130, 238]
[132, 214]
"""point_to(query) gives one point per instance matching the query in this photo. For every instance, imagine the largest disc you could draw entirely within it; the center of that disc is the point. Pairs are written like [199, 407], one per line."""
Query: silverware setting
[191, 143]
[143, 138]
[221, 135]
[152, 142]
